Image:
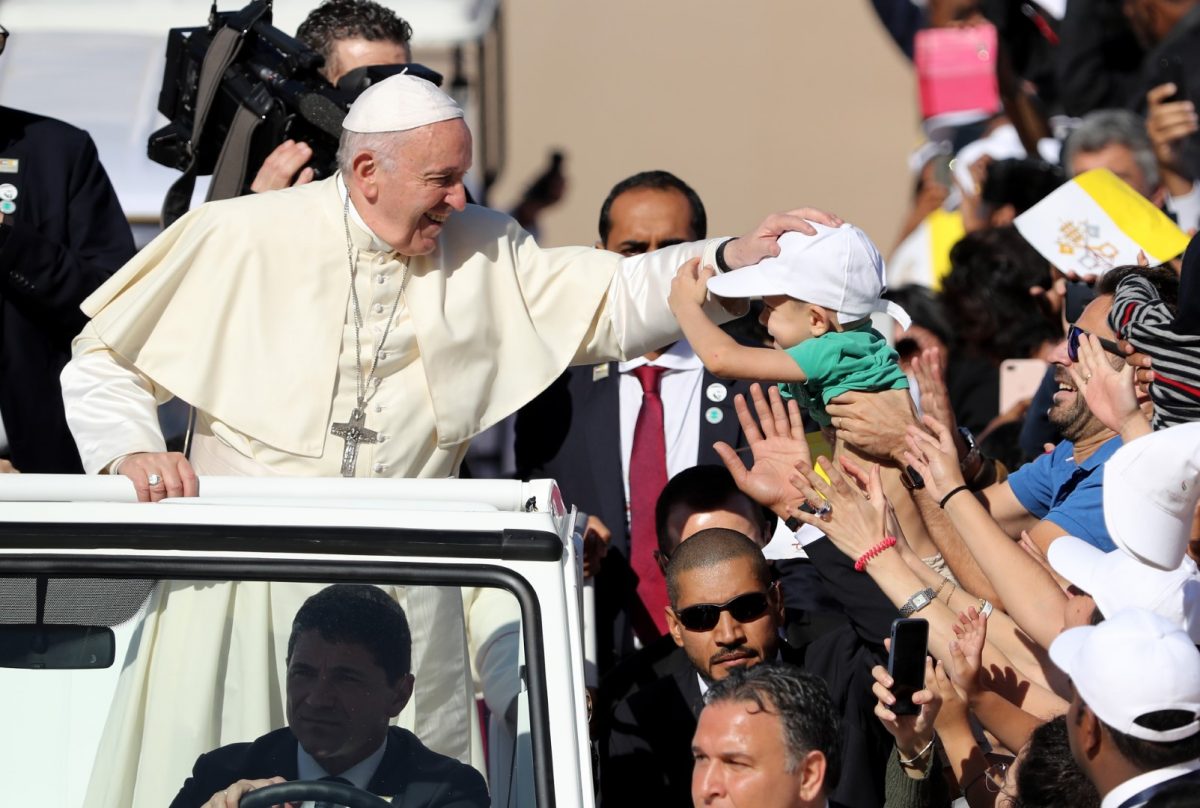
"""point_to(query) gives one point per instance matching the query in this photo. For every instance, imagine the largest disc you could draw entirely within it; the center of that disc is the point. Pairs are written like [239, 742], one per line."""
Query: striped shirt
[1140, 316]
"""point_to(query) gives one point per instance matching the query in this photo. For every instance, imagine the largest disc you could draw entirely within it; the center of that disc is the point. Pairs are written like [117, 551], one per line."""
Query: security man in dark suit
[725, 614]
[572, 432]
[62, 234]
[349, 662]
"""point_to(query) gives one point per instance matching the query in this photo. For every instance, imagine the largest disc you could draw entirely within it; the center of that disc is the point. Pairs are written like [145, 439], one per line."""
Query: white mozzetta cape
[234, 309]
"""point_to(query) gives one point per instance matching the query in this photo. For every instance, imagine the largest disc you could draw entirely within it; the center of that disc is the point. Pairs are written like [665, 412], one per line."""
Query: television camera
[237, 88]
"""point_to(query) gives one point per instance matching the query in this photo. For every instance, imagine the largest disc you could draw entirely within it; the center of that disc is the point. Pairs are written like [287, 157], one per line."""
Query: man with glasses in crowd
[725, 613]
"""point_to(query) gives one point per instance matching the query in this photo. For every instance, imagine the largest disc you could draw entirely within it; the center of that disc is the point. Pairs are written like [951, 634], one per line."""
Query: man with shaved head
[725, 614]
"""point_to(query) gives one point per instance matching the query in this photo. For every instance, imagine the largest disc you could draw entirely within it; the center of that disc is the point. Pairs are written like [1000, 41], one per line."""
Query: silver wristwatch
[917, 602]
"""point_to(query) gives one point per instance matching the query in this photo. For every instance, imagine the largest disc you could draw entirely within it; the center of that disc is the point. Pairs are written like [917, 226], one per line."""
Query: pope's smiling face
[411, 191]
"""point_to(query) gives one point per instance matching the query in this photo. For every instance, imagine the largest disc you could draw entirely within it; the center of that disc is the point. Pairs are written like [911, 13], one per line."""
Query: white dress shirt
[679, 388]
[359, 775]
[1186, 208]
[1143, 781]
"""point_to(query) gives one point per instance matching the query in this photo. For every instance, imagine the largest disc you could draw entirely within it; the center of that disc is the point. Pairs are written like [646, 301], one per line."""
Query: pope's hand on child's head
[690, 284]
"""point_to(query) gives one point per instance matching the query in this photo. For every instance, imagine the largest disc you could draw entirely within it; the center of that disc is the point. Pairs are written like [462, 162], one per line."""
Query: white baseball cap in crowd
[1117, 582]
[1135, 662]
[1151, 486]
[838, 268]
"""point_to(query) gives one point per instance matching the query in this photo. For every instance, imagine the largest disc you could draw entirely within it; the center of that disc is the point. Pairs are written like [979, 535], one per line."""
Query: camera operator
[350, 34]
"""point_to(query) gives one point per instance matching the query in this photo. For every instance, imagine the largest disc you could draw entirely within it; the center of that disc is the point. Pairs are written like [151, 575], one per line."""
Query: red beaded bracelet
[861, 564]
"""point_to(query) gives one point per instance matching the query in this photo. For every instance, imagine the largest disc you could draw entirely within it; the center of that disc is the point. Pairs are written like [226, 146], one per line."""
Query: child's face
[789, 321]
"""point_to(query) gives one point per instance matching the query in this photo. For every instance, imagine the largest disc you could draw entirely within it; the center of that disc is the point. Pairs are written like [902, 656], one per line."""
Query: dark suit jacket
[66, 236]
[424, 778]
[572, 433]
[647, 759]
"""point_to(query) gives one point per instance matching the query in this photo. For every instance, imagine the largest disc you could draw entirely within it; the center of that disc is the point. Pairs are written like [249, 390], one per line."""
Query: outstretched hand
[854, 520]
[935, 457]
[1109, 393]
[931, 382]
[966, 651]
[912, 732]
[690, 286]
[777, 443]
[763, 241]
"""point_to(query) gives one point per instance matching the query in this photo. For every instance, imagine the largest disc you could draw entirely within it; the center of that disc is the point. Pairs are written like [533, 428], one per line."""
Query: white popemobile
[80, 560]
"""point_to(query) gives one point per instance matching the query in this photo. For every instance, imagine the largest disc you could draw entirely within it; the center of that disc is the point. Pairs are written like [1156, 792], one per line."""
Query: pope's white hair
[383, 146]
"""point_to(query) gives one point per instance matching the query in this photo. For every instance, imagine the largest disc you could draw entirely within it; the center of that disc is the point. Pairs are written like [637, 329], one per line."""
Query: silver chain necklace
[354, 431]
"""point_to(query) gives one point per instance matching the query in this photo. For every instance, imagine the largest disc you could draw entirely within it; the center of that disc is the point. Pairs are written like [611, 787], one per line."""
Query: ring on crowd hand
[154, 479]
[824, 509]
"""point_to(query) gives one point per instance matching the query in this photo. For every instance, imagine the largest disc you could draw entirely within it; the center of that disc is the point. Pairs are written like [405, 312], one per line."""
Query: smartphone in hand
[906, 662]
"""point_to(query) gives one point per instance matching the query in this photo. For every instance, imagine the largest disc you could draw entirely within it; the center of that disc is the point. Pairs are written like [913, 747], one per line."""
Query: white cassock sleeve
[638, 314]
[112, 409]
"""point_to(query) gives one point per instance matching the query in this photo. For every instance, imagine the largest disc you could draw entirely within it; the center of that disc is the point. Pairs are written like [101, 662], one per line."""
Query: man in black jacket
[726, 614]
[582, 430]
[349, 664]
[62, 234]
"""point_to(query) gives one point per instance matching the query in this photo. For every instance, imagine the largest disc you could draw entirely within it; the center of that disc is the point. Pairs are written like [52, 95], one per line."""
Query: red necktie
[647, 476]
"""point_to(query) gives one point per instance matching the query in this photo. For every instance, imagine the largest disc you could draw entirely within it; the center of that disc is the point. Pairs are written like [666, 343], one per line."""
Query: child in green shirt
[819, 293]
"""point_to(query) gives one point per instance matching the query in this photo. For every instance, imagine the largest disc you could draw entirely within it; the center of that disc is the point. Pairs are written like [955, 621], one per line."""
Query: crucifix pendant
[353, 432]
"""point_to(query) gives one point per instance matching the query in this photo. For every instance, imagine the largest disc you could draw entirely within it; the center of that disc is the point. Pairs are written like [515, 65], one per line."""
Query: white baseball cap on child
[1151, 487]
[838, 268]
[1133, 663]
[1117, 582]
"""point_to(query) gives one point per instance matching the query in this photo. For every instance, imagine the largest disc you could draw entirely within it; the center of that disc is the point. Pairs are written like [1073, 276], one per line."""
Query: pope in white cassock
[451, 318]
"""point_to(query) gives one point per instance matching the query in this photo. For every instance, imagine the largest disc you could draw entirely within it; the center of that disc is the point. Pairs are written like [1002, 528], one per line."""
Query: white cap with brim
[1116, 582]
[838, 268]
[1135, 662]
[1150, 494]
[399, 103]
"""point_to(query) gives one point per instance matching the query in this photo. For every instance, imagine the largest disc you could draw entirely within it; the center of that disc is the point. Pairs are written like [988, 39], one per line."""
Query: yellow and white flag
[1096, 222]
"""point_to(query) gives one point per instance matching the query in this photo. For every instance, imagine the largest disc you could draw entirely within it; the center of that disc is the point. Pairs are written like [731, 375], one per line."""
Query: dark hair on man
[1048, 776]
[1163, 279]
[335, 20]
[657, 181]
[1151, 755]
[710, 547]
[699, 489]
[986, 296]
[802, 702]
[363, 615]
[1021, 183]
[925, 310]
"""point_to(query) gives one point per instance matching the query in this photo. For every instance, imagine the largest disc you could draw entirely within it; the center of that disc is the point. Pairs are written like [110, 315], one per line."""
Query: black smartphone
[906, 662]
[1170, 69]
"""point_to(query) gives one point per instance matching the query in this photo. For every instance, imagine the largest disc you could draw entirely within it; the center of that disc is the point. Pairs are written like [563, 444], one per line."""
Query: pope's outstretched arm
[635, 316]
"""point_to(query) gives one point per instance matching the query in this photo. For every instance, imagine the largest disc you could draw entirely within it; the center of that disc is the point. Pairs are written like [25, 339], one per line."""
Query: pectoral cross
[353, 432]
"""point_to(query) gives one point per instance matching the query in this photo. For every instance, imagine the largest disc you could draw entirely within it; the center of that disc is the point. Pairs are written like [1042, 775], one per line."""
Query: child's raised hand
[690, 285]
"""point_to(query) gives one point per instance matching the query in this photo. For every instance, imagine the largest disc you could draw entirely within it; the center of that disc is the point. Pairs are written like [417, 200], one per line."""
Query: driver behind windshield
[349, 660]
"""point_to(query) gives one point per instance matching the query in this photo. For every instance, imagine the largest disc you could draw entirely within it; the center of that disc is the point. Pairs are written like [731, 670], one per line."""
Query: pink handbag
[956, 70]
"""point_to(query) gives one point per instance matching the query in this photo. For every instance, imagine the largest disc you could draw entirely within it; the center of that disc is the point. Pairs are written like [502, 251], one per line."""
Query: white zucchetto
[399, 103]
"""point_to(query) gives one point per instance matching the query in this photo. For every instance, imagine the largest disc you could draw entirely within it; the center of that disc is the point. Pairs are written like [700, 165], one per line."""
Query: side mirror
[56, 647]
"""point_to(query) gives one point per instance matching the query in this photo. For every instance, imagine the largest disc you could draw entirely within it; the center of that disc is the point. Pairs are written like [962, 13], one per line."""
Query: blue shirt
[1055, 488]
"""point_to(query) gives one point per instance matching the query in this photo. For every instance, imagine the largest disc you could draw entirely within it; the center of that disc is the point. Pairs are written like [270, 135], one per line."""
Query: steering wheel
[315, 790]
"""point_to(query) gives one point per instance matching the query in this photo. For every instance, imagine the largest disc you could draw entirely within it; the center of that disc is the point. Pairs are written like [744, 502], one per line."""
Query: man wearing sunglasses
[725, 614]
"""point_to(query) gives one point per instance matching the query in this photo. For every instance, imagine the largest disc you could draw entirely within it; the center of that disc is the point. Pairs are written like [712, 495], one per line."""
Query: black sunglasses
[1075, 334]
[3, 38]
[743, 608]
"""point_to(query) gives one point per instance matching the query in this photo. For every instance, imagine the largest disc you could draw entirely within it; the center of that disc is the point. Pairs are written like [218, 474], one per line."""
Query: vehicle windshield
[390, 684]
